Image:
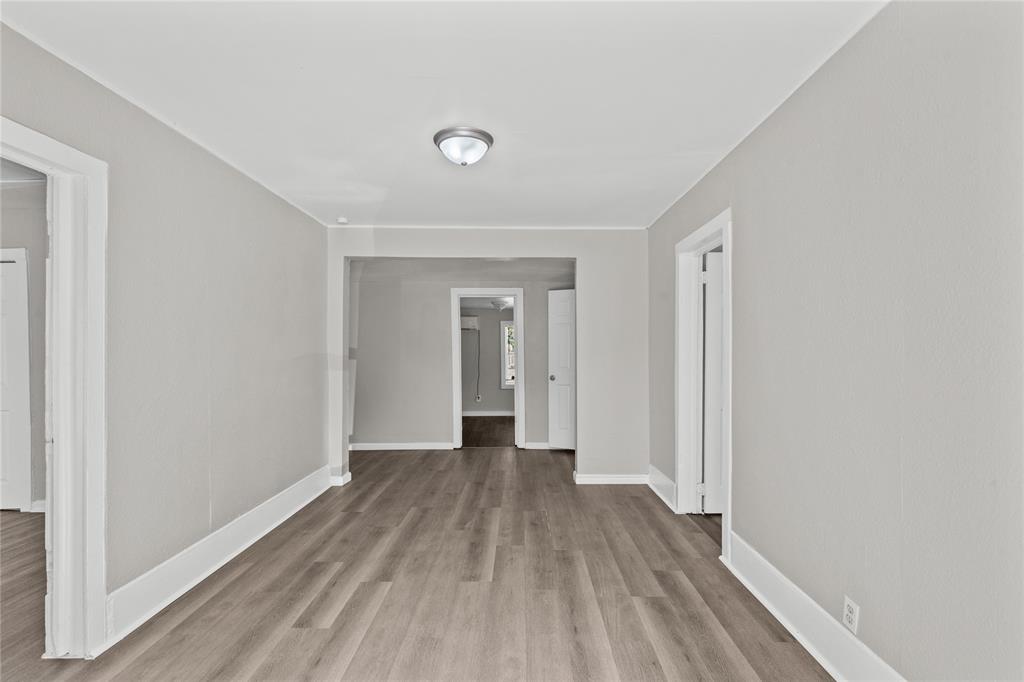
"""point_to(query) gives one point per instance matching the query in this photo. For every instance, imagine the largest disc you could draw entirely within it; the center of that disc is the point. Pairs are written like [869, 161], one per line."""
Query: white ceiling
[603, 113]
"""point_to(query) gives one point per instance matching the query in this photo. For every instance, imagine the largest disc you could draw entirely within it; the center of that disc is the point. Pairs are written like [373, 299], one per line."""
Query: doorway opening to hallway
[488, 403]
[53, 452]
[490, 351]
[704, 378]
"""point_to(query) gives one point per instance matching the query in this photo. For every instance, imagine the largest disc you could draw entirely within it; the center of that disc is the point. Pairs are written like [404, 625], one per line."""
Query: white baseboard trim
[536, 446]
[612, 479]
[838, 651]
[488, 413]
[37, 507]
[341, 480]
[133, 604]
[401, 446]
[663, 487]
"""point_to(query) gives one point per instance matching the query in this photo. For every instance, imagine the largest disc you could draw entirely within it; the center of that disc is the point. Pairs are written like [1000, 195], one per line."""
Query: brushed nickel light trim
[464, 132]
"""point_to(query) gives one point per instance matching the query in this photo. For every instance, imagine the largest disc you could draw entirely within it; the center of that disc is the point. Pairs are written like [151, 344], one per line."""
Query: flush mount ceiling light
[463, 146]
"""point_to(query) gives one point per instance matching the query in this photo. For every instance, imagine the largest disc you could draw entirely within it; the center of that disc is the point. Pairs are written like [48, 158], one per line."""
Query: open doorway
[54, 374]
[24, 241]
[24, 246]
[488, 353]
[489, 366]
[416, 363]
[704, 378]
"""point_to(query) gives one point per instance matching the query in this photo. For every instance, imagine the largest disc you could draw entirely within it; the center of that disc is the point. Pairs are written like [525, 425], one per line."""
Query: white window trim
[504, 324]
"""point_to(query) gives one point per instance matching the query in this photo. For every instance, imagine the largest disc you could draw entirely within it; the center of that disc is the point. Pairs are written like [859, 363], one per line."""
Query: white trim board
[488, 413]
[663, 487]
[20, 183]
[401, 446]
[337, 481]
[536, 446]
[837, 649]
[133, 604]
[610, 479]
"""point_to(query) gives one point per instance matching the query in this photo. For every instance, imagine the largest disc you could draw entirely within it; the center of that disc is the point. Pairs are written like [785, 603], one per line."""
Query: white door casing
[518, 319]
[75, 602]
[712, 479]
[562, 369]
[689, 364]
[15, 424]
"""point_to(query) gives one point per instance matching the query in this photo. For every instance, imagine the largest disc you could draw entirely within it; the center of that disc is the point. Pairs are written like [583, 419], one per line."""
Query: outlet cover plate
[851, 614]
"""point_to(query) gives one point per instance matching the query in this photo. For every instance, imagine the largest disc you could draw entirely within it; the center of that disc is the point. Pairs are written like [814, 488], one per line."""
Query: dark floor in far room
[488, 432]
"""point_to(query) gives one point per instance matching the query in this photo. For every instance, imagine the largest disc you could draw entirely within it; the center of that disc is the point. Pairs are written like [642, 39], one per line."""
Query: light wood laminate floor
[710, 524]
[480, 564]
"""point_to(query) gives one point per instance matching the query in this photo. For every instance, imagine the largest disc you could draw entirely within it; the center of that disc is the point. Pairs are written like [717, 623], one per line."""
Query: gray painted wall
[493, 396]
[878, 335]
[23, 225]
[611, 315]
[403, 387]
[216, 385]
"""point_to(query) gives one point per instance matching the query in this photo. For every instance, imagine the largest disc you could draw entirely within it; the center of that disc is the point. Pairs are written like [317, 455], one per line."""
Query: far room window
[508, 354]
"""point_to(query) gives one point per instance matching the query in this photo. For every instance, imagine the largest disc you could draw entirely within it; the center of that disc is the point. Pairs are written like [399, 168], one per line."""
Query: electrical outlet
[479, 399]
[851, 614]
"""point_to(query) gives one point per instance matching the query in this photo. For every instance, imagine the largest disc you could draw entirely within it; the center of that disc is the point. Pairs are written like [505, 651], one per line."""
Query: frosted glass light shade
[463, 146]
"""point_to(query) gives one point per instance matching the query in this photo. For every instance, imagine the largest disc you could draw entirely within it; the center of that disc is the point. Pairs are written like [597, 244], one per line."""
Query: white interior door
[711, 466]
[15, 434]
[562, 369]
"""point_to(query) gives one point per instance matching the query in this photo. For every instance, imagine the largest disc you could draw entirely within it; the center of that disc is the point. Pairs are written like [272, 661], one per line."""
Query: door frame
[689, 360]
[23, 483]
[75, 602]
[518, 315]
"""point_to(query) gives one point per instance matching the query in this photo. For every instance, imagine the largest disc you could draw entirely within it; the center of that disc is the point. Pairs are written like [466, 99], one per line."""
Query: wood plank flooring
[488, 432]
[22, 588]
[480, 564]
[710, 524]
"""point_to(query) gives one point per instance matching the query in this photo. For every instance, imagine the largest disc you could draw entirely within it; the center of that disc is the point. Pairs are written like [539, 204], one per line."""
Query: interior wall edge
[191, 137]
